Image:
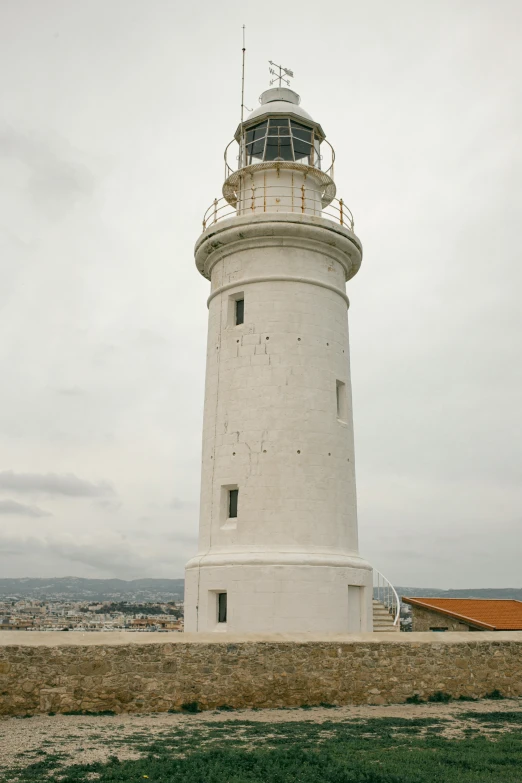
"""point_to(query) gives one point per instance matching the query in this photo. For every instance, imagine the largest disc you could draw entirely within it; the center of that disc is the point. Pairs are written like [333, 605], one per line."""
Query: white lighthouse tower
[278, 548]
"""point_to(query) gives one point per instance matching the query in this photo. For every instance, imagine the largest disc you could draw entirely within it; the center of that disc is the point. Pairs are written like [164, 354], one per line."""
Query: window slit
[222, 607]
[240, 311]
[232, 503]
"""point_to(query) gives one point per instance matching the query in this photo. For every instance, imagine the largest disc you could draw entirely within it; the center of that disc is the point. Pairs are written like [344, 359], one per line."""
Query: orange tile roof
[488, 613]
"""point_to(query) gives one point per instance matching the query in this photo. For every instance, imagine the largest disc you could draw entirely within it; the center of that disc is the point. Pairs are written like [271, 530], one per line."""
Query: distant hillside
[481, 592]
[75, 589]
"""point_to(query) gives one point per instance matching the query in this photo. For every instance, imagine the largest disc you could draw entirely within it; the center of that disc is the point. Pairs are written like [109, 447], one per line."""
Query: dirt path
[87, 739]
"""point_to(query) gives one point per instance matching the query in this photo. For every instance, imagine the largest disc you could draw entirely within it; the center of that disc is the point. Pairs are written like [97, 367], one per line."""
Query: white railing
[385, 593]
[279, 198]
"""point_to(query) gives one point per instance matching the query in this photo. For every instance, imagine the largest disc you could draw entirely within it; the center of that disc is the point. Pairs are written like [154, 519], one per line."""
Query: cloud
[54, 181]
[54, 484]
[108, 504]
[70, 391]
[106, 552]
[437, 378]
[20, 509]
[176, 504]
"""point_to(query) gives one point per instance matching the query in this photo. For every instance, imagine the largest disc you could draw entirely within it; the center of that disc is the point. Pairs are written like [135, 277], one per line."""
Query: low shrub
[415, 699]
[440, 697]
[495, 694]
[190, 706]
[88, 712]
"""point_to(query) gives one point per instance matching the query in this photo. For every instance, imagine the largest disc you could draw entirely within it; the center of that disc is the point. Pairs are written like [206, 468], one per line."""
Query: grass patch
[377, 750]
[497, 717]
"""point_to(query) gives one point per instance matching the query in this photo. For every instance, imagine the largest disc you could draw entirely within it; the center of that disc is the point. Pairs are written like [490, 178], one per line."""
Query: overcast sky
[113, 119]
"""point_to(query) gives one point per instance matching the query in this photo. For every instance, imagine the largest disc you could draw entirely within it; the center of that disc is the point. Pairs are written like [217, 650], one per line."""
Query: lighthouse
[278, 541]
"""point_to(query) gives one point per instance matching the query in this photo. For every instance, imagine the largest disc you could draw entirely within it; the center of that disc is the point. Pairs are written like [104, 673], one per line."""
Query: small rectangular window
[232, 503]
[240, 311]
[222, 607]
[342, 413]
[235, 309]
[441, 629]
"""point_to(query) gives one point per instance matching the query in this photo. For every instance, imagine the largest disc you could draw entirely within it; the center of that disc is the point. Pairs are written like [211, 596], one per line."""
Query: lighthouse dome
[276, 100]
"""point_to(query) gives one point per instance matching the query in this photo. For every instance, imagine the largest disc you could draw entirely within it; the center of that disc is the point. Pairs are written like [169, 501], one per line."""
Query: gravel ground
[87, 739]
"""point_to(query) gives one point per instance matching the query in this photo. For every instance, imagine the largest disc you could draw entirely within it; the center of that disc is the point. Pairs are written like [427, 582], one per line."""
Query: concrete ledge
[155, 672]
[110, 638]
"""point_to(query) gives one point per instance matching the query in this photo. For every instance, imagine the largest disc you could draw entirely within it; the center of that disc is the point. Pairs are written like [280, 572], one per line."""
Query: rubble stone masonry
[424, 620]
[155, 672]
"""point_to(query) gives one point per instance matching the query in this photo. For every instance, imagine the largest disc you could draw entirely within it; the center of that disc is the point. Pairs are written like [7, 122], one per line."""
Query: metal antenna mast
[243, 82]
[243, 107]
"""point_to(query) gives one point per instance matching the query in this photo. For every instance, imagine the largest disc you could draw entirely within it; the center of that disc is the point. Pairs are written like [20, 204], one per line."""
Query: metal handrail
[302, 200]
[384, 591]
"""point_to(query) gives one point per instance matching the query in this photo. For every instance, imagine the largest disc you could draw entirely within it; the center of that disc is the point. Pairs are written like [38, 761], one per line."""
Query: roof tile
[492, 613]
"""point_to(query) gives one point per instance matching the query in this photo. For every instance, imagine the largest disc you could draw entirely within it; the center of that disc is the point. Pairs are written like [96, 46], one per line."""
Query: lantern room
[280, 138]
[267, 135]
[283, 161]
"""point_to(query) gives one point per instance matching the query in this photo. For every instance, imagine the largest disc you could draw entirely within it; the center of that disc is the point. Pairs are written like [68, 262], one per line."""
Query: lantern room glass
[282, 139]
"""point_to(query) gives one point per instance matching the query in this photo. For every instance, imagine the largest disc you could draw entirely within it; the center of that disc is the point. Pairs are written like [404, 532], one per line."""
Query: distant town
[27, 614]
[139, 605]
[75, 604]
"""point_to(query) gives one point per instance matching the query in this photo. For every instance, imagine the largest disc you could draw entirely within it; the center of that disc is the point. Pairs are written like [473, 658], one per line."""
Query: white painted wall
[271, 429]
[279, 190]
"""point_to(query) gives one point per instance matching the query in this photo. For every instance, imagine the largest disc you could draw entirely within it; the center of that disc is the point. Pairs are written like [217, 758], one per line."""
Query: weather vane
[280, 77]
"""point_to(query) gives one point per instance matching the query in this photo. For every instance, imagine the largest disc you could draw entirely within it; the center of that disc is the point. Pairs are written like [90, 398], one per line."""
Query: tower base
[280, 593]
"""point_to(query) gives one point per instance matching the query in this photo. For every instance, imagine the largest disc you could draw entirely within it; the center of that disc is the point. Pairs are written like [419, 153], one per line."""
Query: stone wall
[53, 672]
[424, 620]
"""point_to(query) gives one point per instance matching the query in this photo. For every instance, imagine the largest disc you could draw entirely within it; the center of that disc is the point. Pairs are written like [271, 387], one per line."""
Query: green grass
[498, 717]
[380, 750]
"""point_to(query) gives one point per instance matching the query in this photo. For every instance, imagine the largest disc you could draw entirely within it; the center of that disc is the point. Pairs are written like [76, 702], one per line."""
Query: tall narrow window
[342, 413]
[355, 596]
[232, 503]
[222, 607]
[240, 311]
[236, 309]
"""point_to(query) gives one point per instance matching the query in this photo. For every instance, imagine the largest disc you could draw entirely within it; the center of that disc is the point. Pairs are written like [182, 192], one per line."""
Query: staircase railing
[385, 593]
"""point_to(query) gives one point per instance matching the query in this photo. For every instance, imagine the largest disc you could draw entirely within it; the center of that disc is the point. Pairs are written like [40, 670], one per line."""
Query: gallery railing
[279, 198]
